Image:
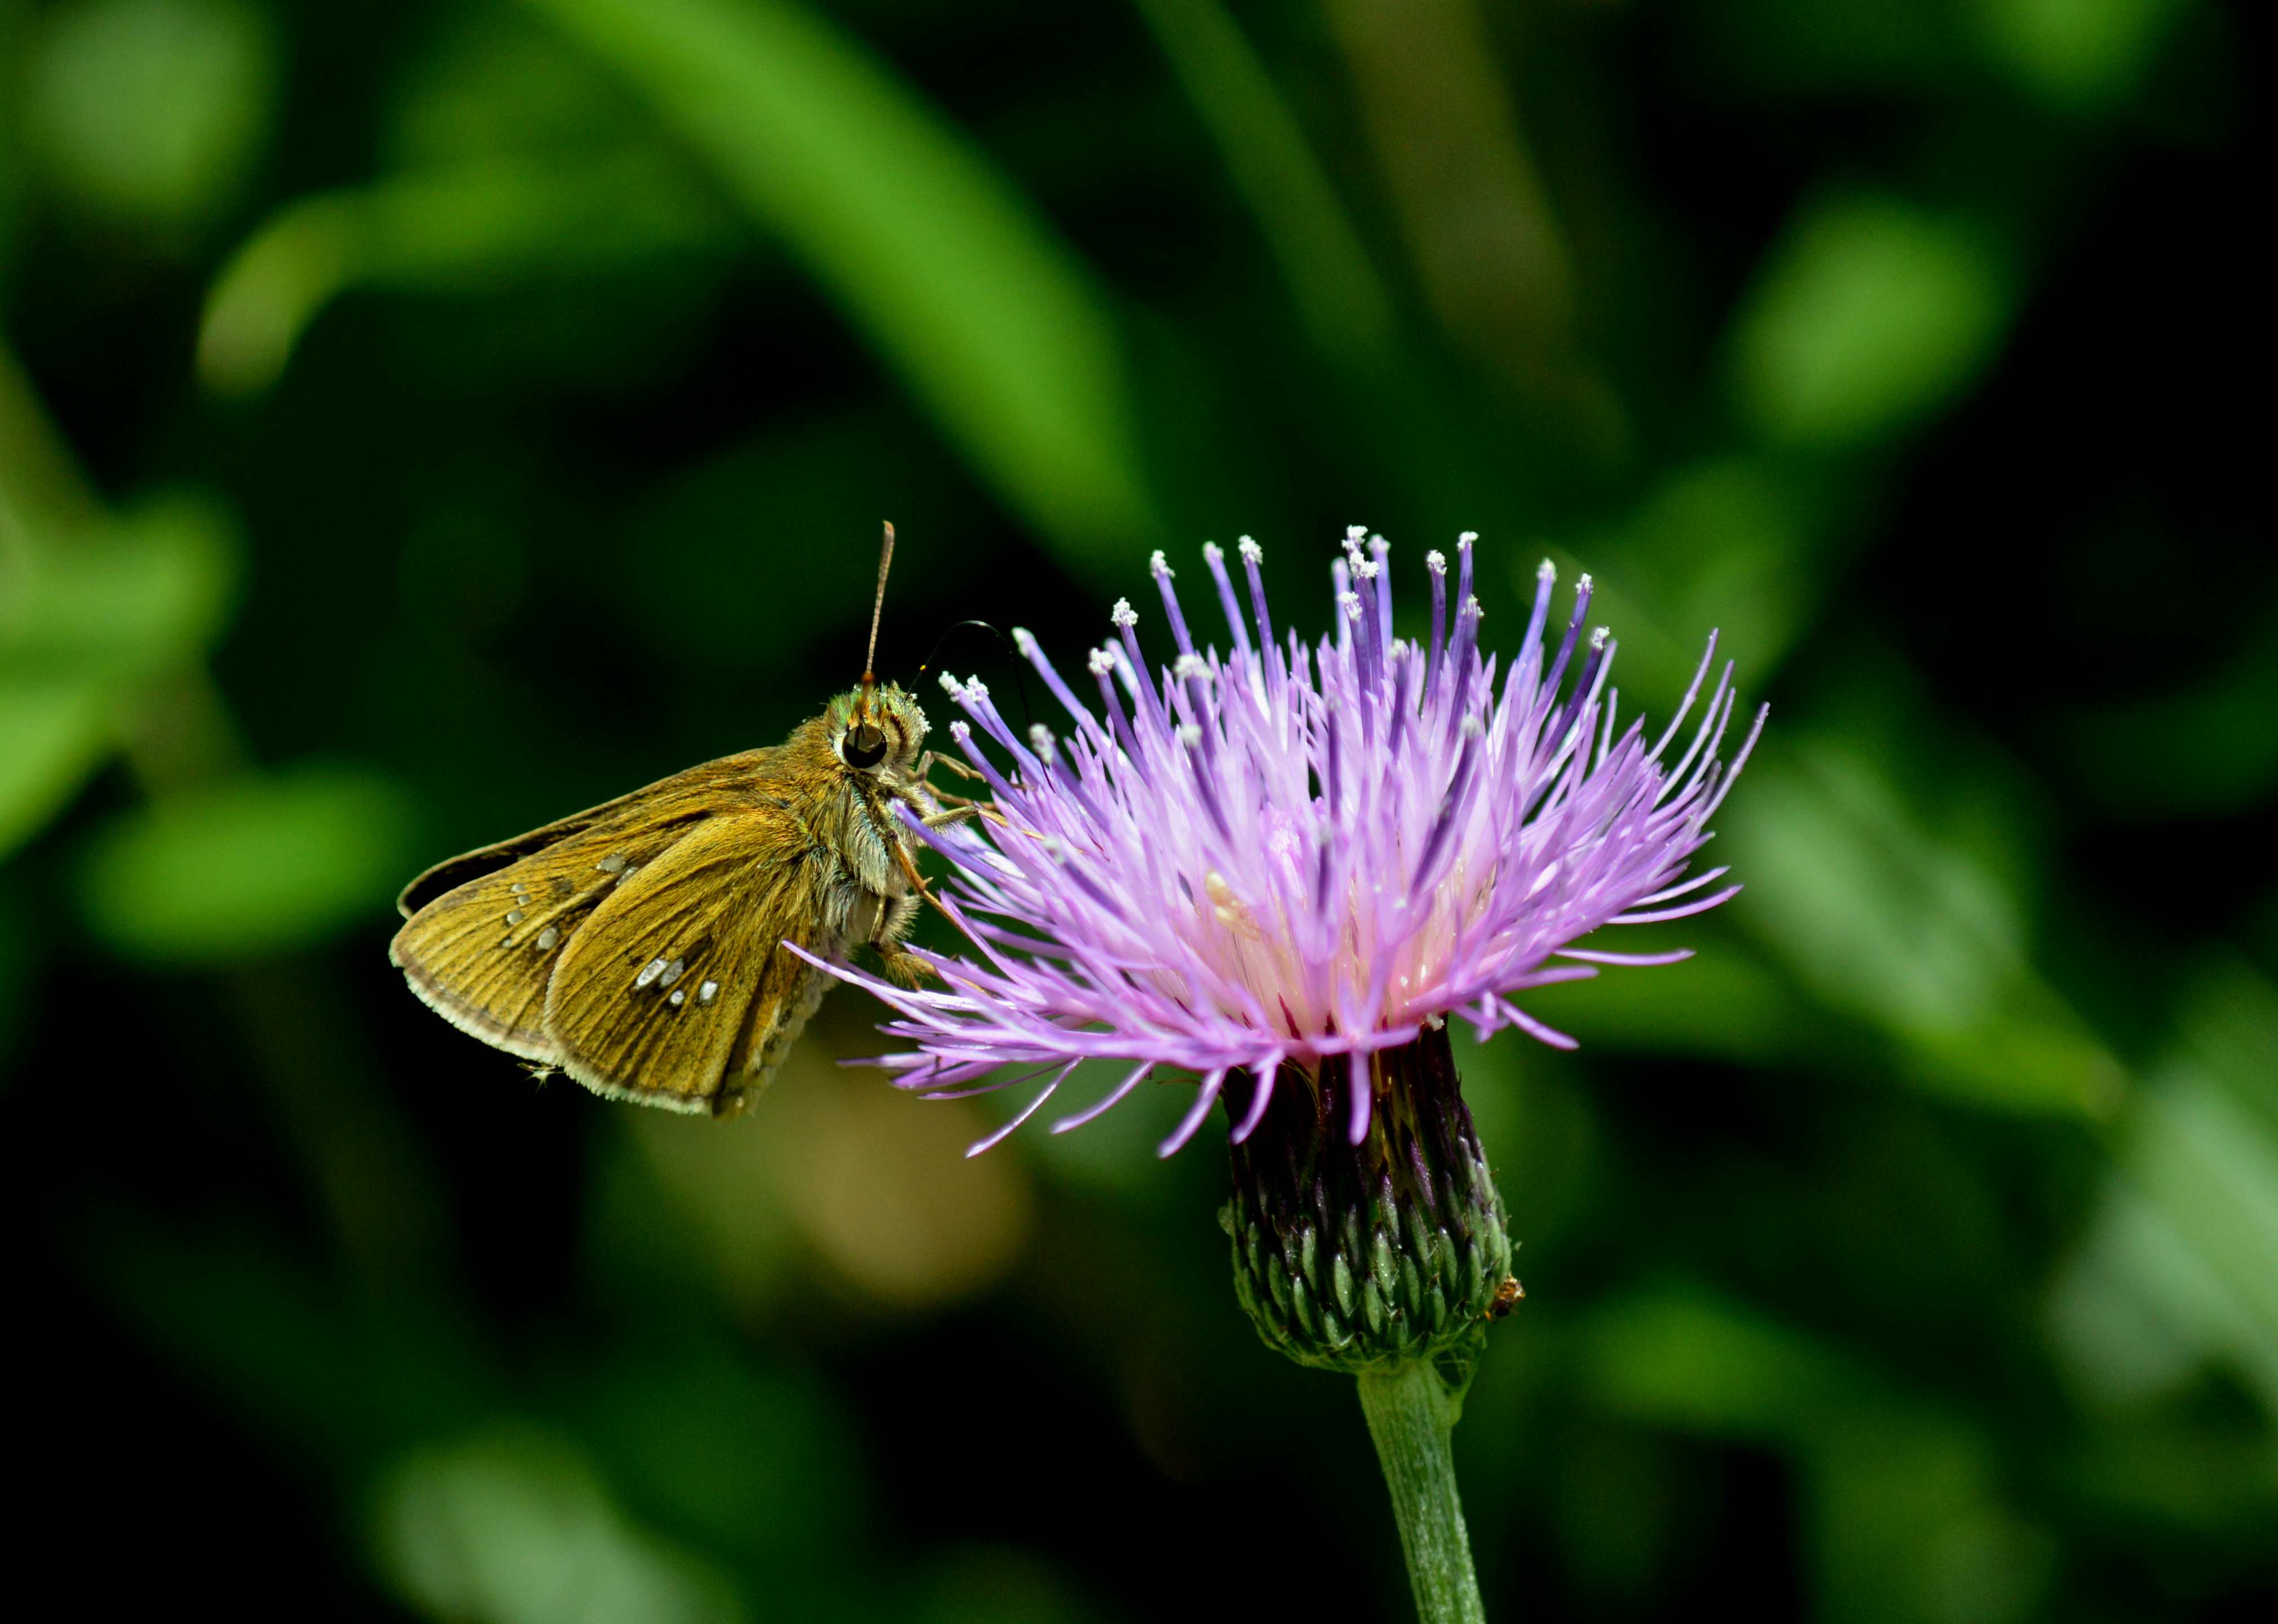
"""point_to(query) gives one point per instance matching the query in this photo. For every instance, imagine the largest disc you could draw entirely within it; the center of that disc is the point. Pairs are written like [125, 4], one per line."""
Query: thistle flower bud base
[1364, 1258]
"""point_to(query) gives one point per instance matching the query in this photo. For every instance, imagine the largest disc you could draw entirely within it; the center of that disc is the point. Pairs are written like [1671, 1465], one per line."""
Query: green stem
[1411, 1415]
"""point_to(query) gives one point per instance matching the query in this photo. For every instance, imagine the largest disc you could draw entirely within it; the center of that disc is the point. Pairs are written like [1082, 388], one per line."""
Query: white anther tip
[1545, 571]
[1158, 565]
[1123, 614]
[1213, 553]
[950, 685]
[1436, 561]
[1247, 546]
[1025, 641]
[1467, 538]
[1356, 533]
[1598, 637]
[1582, 582]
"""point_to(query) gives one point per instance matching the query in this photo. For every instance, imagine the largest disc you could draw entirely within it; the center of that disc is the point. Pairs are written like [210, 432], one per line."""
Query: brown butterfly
[639, 946]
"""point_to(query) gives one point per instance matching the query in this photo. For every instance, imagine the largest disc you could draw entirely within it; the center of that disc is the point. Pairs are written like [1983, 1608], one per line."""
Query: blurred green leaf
[2075, 55]
[1115, 1153]
[755, 1463]
[988, 316]
[2210, 751]
[482, 225]
[1682, 1356]
[496, 84]
[53, 734]
[767, 522]
[2230, 1028]
[1869, 315]
[1907, 1527]
[1722, 1002]
[249, 866]
[2211, 1172]
[1904, 1517]
[144, 593]
[514, 1526]
[1885, 922]
[19, 968]
[1724, 545]
[993, 1585]
[2180, 1264]
[90, 618]
[150, 110]
[1799, 48]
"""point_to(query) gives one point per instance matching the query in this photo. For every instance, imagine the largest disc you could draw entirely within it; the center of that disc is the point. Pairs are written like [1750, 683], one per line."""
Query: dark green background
[417, 421]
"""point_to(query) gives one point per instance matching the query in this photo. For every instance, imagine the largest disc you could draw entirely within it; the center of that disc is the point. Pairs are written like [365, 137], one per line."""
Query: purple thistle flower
[1288, 852]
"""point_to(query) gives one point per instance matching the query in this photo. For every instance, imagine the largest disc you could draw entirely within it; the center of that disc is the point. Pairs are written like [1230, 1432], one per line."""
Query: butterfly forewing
[675, 990]
[487, 930]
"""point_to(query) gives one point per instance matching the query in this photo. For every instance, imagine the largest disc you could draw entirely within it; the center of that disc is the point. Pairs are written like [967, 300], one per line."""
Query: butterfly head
[883, 735]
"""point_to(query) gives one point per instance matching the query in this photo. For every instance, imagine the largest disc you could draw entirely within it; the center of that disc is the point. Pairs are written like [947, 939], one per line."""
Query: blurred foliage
[417, 422]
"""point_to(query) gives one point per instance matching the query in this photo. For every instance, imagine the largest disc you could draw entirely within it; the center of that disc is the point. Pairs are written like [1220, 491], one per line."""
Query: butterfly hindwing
[486, 930]
[676, 991]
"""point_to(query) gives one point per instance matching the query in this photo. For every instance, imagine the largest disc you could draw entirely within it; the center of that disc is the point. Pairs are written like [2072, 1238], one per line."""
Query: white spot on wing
[614, 863]
[650, 972]
[705, 993]
[547, 937]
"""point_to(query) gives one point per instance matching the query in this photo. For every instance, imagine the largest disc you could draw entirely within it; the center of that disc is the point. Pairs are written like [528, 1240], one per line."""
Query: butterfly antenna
[877, 607]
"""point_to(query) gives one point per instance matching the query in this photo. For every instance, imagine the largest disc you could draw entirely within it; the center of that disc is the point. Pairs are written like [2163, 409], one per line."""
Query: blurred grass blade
[1490, 253]
[470, 227]
[249, 866]
[961, 288]
[1871, 314]
[1339, 296]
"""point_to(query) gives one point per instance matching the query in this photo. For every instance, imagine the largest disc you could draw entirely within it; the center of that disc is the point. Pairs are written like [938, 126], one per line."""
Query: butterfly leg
[932, 759]
[926, 762]
[903, 967]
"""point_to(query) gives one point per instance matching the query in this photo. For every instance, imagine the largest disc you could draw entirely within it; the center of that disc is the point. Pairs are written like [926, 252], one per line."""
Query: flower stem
[1411, 1415]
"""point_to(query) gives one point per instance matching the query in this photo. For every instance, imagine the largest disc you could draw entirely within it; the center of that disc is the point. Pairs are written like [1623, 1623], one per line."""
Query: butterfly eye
[863, 747]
